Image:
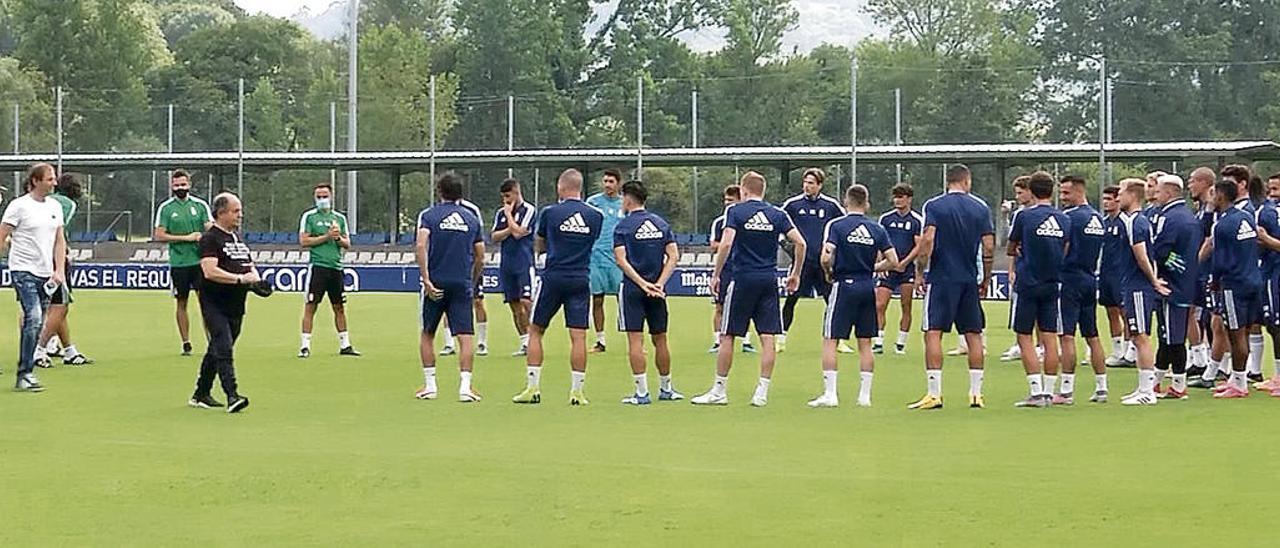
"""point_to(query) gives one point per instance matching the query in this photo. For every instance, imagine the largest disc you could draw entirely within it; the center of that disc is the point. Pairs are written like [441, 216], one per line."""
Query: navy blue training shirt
[1269, 220]
[645, 236]
[811, 215]
[717, 232]
[961, 220]
[453, 232]
[903, 229]
[1177, 232]
[1134, 228]
[1041, 232]
[517, 253]
[1205, 215]
[570, 228]
[757, 225]
[1114, 247]
[858, 241]
[1084, 250]
[1235, 251]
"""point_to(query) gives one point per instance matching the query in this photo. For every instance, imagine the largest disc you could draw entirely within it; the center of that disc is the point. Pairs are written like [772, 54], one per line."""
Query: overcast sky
[833, 21]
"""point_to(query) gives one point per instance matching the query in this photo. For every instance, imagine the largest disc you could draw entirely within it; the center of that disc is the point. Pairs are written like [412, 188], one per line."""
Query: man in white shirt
[32, 231]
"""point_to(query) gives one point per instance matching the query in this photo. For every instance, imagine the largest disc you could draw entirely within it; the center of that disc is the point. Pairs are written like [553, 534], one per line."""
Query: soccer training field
[337, 451]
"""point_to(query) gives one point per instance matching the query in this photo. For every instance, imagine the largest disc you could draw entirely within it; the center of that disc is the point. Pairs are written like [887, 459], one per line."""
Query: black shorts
[325, 281]
[63, 294]
[184, 279]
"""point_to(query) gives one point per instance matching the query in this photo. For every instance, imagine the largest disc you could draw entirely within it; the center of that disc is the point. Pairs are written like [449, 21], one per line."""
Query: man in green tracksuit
[55, 319]
[179, 222]
[323, 231]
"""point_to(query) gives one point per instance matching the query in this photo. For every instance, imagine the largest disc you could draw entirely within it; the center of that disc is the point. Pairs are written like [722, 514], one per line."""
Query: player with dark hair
[179, 222]
[732, 195]
[450, 250]
[957, 228]
[904, 226]
[750, 241]
[1110, 280]
[1237, 281]
[1038, 239]
[567, 231]
[227, 271]
[1249, 194]
[606, 278]
[323, 232]
[853, 250]
[810, 210]
[1269, 239]
[645, 248]
[1079, 299]
[513, 231]
[56, 331]
[481, 323]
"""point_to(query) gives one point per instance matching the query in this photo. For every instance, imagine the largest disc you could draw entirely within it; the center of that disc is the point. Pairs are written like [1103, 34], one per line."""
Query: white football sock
[1035, 384]
[482, 333]
[306, 340]
[715, 337]
[600, 338]
[829, 383]
[464, 387]
[429, 377]
[1050, 385]
[70, 351]
[975, 382]
[1179, 382]
[762, 387]
[1117, 347]
[1256, 343]
[344, 339]
[579, 378]
[642, 384]
[864, 388]
[782, 338]
[902, 338]
[1146, 381]
[534, 374]
[1160, 374]
[1131, 353]
[524, 340]
[933, 382]
[879, 338]
[448, 336]
[1068, 384]
[720, 385]
[664, 383]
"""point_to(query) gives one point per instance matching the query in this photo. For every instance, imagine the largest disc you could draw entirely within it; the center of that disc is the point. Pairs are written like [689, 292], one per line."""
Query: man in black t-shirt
[228, 272]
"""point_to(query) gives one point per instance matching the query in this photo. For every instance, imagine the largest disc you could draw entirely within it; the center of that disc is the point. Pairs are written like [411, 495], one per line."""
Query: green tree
[178, 19]
[27, 89]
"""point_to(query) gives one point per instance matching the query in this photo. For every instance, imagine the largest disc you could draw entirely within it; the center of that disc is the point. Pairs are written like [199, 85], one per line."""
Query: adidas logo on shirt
[1246, 232]
[648, 231]
[454, 222]
[1050, 228]
[1094, 228]
[861, 235]
[575, 224]
[759, 222]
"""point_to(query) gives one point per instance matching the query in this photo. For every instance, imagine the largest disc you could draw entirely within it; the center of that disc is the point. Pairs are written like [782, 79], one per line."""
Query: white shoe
[524, 351]
[710, 398]
[844, 348]
[469, 397]
[448, 351]
[759, 400]
[426, 393]
[1114, 361]
[1011, 354]
[825, 401]
[864, 402]
[715, 348]
[1140, 399]
[482, 349]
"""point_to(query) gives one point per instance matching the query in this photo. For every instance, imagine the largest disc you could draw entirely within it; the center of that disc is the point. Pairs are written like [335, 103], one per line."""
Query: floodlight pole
[353, 65]
[897, 126]
[640, 128]
[432, 183]
[853, 119]
[694, 125]
[59, 100]
[511, 128]
[240, 145]
[1103, 176]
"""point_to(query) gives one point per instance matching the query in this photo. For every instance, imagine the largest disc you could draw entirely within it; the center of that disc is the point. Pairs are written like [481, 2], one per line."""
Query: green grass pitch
[337, 451]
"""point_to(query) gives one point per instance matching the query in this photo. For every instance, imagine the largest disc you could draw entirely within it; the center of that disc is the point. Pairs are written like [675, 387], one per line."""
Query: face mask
[324, 203]
[181, 193]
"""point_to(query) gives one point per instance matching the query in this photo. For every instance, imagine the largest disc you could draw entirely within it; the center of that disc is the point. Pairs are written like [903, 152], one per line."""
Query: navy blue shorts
[958, 304]
[635, 309]
[549, 294]
[752, 299]
[1239, 309]
[1271, 301]
[1138, 307]
[1110, 292]
[517, 284]
[1173, 319]
[894, 280]
[456, 303]
[813, 281]
[718, 298]
[1037, 306]
[1079, 307]
[851, 308]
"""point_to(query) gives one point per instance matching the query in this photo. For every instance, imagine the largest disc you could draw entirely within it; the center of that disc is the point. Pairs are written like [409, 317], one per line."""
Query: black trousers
[222, 321]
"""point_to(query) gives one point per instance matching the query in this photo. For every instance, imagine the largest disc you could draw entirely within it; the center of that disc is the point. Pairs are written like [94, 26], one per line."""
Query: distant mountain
[838, 22]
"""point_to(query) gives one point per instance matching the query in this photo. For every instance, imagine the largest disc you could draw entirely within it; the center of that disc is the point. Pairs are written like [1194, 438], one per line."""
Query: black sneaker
[204, 402]
[349, 351]
[304, 353]
[186, 349]
[78, 359]
[237, 404]
[598, 348]
[42, 362]
[28, 383]
[1255, 377]
[1195, 371]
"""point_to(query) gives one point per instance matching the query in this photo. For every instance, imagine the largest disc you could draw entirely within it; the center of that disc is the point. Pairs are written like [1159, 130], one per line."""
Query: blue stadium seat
[406, 239]
[252, 238]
